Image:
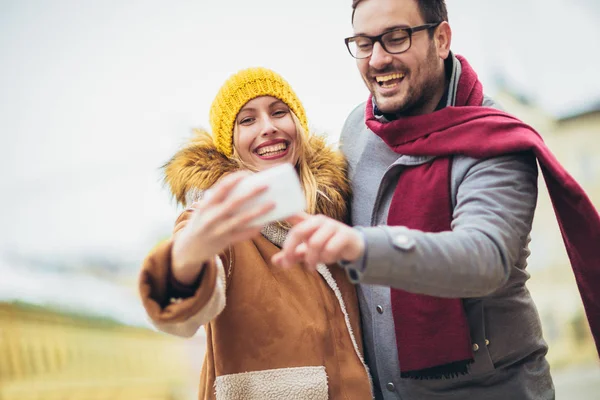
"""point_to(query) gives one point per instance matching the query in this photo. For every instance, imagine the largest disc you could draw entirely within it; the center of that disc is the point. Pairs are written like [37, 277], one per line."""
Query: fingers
[316, 244]
[301, 251]
[328, 244]
[244, 219]
[220, 191]
[348, 244]
[299, 255]
[233, 204]
[277, 259]
[296, 236]
[298, 218]
[320, 240]
[218, 214]
[336, 248]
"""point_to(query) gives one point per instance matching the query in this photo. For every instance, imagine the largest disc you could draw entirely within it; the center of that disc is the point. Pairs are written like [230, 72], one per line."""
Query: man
[444, 198]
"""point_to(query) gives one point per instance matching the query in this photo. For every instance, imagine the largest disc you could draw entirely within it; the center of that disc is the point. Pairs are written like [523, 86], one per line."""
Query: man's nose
[379, 58]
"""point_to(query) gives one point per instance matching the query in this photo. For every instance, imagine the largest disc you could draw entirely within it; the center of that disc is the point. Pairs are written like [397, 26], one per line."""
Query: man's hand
[319, 239]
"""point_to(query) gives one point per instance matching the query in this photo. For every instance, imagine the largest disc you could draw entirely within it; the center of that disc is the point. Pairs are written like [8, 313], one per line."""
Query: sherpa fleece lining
[299, 383]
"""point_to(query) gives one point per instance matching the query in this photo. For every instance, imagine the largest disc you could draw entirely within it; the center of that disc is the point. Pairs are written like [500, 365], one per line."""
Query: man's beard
[417, 97]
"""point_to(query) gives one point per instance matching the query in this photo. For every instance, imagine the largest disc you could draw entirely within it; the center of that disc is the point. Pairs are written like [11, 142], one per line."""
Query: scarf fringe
[446, 371]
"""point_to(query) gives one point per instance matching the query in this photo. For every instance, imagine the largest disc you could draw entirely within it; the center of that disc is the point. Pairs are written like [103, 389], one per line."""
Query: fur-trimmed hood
[198, 166]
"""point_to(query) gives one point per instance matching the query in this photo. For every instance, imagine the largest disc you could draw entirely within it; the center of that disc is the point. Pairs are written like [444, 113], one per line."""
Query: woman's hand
[218, 221]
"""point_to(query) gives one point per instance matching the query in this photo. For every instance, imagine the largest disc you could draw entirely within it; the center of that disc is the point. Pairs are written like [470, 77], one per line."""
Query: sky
[96, 95]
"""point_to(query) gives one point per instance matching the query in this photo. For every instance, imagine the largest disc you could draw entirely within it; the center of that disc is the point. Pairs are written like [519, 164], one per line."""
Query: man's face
[405, 83]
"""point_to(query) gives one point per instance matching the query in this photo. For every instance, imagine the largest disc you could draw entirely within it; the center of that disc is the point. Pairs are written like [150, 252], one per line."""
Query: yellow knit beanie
[239, 89]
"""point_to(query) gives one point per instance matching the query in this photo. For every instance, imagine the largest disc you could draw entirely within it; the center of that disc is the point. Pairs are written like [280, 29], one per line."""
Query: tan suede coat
[271, 333]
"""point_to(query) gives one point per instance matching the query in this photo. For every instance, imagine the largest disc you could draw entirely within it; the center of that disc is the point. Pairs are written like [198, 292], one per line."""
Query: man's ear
[443, 39]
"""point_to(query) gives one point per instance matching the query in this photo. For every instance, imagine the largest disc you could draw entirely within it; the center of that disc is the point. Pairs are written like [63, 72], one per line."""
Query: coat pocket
[297, 383]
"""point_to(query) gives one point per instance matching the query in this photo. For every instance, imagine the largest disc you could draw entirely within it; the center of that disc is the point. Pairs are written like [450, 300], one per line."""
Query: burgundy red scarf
[432, 333]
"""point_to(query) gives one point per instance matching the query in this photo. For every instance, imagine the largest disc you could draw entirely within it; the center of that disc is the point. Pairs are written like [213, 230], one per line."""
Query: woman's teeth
[271, 150]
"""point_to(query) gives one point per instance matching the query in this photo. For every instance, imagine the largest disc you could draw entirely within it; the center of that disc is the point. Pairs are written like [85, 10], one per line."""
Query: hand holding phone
[284, 189]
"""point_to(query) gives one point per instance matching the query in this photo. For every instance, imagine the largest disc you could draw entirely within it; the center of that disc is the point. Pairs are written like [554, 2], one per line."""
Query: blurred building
[573, 137]
[66, 335]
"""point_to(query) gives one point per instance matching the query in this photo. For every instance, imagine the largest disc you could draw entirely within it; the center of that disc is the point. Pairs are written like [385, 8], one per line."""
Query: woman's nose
[268, 127]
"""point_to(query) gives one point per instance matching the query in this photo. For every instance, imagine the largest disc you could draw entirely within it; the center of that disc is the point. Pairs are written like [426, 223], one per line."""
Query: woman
[272, 333]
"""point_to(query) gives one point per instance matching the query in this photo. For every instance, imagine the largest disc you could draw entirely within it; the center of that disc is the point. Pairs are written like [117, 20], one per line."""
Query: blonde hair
[304, 152]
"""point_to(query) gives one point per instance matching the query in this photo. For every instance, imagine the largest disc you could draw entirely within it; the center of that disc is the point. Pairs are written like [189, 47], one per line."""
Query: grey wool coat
[482, 260]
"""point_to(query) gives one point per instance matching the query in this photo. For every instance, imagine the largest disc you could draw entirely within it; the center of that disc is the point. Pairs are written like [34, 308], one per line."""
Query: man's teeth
[381, 79]
[268, 150]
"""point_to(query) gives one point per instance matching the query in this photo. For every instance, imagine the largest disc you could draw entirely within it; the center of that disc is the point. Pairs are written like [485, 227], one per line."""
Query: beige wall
[48, 355]
[576, 144]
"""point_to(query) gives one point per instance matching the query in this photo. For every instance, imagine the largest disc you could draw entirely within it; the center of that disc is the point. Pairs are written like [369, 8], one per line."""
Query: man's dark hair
[431, 10]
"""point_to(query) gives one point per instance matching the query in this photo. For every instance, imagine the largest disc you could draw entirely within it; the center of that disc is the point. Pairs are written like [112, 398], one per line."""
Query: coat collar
[198, 166]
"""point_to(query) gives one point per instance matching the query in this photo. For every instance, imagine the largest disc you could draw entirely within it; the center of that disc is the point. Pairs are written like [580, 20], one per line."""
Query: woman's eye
[280, 113]
[246, 121]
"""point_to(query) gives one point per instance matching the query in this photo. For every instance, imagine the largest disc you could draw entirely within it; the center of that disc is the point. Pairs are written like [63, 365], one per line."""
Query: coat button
[487, 342]
[390, 386]
[403, 242]
[379, 309]
[475, 347]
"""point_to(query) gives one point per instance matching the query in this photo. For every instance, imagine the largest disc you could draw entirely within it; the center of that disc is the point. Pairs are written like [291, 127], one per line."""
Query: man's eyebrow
[391, 28]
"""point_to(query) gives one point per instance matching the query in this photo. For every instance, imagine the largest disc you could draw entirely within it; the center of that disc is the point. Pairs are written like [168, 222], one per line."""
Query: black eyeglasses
[394, 41]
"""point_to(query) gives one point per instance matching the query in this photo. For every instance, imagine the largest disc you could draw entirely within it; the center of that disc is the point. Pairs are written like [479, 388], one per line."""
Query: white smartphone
[283, 188]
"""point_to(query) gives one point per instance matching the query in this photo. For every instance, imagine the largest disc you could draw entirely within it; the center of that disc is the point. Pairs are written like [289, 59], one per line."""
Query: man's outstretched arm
[495, 203]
